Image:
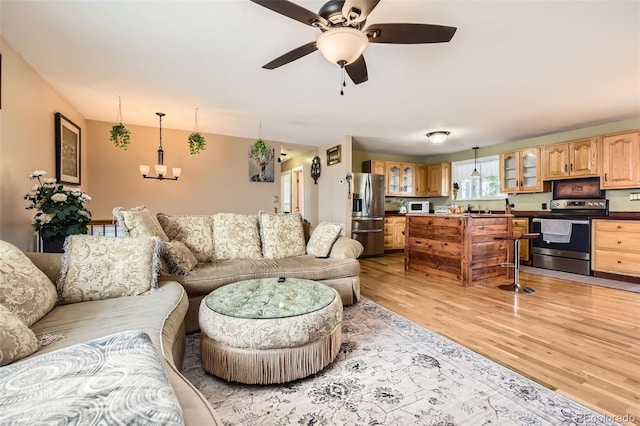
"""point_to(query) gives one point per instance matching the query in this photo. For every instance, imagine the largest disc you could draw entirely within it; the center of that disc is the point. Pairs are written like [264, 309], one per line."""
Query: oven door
[572, 256]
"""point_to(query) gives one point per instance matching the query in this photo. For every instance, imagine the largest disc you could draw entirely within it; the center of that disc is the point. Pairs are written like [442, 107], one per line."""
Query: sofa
[63, 329]
[230, 247]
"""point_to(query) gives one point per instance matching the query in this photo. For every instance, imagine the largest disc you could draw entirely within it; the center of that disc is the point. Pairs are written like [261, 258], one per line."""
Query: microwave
[417, 207]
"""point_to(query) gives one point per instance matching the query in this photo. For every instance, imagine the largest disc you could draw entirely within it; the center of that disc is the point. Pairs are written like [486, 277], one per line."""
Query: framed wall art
[68, 143]
[334, 155]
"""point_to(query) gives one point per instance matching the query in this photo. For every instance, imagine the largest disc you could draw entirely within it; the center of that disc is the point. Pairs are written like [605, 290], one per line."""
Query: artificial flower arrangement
[59, 209]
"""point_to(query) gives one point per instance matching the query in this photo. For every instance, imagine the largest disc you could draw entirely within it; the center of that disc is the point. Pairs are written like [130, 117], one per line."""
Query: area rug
[391, 371]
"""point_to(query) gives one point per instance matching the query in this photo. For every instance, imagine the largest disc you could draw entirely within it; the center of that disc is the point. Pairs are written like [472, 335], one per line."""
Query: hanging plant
[260, 149]
[196, 143]
[196, 140]
[120, 135]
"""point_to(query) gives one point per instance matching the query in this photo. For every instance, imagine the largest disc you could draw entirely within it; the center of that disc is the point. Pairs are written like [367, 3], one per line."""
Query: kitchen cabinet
[520, 226]
[400, 178]
[570, 159]
[421, 180]
[394, 232]
[459, 249]
[520, 172]
[620, 161]
[616, 247]
[374, 166]
[438, 180]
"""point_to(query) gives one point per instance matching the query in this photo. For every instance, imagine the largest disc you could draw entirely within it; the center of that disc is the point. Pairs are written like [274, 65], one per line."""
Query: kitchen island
[459, 248]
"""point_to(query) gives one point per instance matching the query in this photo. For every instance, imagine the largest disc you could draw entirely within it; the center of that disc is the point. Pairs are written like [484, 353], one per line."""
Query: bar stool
[516, 287]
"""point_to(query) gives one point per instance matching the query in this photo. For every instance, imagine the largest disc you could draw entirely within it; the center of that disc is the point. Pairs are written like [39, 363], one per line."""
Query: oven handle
[574, 222]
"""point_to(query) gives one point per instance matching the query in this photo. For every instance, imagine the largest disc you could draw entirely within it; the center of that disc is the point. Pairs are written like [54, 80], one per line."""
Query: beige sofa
[273, 245]
[160, 314]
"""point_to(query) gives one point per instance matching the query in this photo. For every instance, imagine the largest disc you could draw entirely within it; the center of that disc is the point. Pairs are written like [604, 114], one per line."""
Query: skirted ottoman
[264, 331]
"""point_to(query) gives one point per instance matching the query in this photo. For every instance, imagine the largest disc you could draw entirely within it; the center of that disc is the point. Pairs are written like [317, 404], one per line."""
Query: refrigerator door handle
[364, 231]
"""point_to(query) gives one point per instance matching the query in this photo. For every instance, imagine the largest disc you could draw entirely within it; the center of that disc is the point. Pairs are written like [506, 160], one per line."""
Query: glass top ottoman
[263, 331]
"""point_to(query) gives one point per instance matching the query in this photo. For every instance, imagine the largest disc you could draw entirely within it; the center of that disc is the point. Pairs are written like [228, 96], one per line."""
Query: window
[483, 187]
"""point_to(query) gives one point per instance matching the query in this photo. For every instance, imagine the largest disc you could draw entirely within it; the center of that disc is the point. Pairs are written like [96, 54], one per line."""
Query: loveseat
[61, 352]
[229, 247]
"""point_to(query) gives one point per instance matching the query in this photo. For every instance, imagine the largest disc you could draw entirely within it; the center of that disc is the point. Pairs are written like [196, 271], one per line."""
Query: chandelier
[160, 168]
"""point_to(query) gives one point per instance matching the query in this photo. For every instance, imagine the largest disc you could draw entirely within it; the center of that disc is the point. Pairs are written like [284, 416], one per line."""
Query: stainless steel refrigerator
[367, 216]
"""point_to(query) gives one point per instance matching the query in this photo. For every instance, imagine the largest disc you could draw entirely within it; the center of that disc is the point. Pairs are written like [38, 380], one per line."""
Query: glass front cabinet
[520, 172]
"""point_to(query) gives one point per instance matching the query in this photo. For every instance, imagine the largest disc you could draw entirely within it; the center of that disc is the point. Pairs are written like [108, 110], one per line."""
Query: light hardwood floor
[580, 340]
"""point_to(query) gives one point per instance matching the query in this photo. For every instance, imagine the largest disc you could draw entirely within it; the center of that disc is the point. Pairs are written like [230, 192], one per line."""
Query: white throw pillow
[95, 267]
[196, 232]
[323, 237]
[236, 236]
[16, 339]
[24, 289]
[139, 222]
[281, 234]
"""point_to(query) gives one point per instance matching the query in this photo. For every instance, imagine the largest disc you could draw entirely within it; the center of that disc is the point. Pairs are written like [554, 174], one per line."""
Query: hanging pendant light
[475, 163]
[160, 168]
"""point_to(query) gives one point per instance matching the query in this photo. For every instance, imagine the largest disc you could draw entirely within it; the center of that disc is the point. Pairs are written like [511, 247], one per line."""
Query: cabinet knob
[606, 177]
[619, 226]
[619, 242]
[571, 167]
[565, 168]
[619, 261]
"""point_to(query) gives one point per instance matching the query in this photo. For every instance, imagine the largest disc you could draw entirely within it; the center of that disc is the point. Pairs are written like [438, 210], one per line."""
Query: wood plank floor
[580, 340]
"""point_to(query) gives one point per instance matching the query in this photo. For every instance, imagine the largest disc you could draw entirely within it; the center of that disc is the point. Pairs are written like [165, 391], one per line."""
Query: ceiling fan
[343, 37]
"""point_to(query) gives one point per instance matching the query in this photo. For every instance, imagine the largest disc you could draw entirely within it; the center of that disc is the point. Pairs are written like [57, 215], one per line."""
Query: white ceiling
[513, 70]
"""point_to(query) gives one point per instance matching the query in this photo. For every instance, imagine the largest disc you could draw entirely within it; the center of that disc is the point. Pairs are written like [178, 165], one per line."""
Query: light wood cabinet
[438, 180]
[616, 247]
[394, 232]
[521, 227]
[570, 159]
[520, 172]
[400, 178]
[421, 180]
[621, 161]
[376, 167]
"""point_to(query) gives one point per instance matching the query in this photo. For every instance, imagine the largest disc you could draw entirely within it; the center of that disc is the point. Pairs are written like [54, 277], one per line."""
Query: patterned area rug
[391, 371]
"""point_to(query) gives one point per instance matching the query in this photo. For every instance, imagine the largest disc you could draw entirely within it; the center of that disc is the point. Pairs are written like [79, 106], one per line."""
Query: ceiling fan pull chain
[342, 76]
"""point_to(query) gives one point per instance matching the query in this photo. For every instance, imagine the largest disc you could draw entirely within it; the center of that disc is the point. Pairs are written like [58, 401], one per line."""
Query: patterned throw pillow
[95, 268]
[180, 260]
[24, 289]
[16, 339]
[323, 237]
[282, 235]
[139, 222]
[236, 236]
[196, 232]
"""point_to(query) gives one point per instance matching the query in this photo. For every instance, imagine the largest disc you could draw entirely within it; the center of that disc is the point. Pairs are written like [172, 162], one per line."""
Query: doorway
[285, 192]
[297, 190]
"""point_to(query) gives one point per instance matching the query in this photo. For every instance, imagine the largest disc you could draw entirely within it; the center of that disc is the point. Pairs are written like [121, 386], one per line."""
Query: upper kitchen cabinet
[621, 161]
[421, 180]
[400, 178]
[438, 180]
[374, 166]
[520, 172]
[570, 159]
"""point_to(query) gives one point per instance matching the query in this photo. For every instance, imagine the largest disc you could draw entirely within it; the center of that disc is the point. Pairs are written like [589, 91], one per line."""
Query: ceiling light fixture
[342, 45]
[475, 172]
[438, 136]
[160, 168]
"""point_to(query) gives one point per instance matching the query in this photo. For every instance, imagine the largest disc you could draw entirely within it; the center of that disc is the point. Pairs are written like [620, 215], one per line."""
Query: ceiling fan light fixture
[342, 44]
[438, 136]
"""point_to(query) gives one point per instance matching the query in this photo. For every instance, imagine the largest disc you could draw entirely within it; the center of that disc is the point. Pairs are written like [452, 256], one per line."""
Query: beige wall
[27, 142]
[333, 202]
[215, 180]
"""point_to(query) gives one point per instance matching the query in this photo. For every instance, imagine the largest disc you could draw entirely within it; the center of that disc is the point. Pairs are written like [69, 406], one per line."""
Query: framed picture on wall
[67, 150]
[334, 155]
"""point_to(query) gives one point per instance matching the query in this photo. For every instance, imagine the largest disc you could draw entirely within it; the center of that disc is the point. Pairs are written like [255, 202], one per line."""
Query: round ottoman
[263, 331]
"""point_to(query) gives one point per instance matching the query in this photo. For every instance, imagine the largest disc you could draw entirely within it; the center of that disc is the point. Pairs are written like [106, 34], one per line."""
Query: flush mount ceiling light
[438, 136]
[160, 168]
[475, 172]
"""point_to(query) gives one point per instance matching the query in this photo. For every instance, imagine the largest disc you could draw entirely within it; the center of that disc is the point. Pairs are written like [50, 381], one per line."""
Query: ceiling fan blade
[293, 11]
[291, 56]
[357, 70]
[409, 33]
[363, 6]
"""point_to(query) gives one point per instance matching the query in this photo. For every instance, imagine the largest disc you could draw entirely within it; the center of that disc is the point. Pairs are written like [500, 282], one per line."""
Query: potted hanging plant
[260, 149]
[196, 140]
[120, 136]
[197, 143]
